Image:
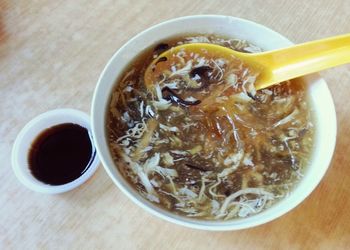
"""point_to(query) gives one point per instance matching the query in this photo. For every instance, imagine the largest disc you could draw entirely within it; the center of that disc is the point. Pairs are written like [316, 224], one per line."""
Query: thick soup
[200, 141]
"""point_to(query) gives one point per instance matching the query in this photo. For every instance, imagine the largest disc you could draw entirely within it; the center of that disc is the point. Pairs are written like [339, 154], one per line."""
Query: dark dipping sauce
[61, 154]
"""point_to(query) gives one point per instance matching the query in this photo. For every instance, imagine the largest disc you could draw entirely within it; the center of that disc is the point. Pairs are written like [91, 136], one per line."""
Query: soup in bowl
[198, 145]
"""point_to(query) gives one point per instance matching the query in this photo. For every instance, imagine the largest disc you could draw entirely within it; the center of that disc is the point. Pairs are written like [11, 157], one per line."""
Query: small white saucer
[29, 133]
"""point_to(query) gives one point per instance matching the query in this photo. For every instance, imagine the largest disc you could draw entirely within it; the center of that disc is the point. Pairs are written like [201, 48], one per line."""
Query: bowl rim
[236, 224]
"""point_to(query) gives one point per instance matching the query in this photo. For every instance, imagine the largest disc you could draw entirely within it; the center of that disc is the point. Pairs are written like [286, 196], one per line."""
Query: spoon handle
[306, 58]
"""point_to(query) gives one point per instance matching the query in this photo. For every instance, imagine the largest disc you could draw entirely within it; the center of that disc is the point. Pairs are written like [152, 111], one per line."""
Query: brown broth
[213, 150]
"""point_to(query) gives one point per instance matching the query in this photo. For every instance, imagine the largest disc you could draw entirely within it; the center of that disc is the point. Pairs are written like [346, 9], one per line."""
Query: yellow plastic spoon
[273, 66]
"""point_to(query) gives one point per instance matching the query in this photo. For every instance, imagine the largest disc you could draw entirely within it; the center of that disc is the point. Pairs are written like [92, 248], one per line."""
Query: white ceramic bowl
[29, 133]
[257, 34]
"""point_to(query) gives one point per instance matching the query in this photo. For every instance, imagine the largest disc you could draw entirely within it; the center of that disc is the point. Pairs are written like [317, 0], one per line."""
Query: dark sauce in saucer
[61, 154]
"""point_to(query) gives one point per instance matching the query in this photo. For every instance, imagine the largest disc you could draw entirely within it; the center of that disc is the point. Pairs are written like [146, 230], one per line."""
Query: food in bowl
[200, 141]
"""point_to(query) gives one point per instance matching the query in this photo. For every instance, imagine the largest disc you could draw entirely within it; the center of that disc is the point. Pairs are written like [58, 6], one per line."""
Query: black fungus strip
[204, 73]
[162, 59]
[197, 167]
[160, 48]
[251, 96]
[170, 95]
